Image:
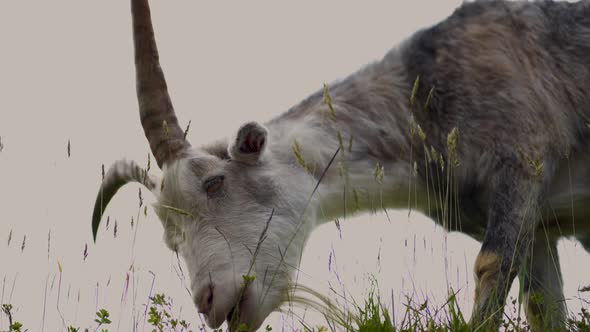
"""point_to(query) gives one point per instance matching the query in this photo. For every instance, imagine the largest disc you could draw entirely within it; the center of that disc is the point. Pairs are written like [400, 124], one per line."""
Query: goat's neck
[373, 172]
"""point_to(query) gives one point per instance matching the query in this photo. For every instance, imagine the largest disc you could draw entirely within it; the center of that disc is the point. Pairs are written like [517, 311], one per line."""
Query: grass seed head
[415, 90]
[421, 133]
[428, 99]
[328, 101]
[188, 126]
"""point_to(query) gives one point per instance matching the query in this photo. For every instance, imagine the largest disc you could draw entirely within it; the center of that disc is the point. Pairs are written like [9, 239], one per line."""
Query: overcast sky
[66, 74]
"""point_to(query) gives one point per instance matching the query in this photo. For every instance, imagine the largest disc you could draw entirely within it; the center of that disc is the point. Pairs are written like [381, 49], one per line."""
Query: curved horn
[120, 173]
[157, 116]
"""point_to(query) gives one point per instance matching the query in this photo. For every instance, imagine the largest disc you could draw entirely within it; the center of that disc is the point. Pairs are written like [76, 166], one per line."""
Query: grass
[370, 316]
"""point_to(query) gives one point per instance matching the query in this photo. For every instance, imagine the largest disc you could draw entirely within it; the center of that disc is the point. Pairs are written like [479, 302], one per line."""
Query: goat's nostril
[204, 299]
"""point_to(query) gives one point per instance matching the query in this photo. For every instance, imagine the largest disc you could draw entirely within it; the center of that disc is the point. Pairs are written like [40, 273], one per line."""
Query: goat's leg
[512, 218]
[544, 302]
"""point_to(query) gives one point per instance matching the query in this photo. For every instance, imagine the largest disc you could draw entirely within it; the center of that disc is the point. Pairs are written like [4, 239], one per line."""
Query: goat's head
[228, 209]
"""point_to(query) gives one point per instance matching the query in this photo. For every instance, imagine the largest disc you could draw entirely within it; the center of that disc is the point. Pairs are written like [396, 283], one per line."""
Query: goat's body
[502, 107]
[513, 78]
[495, 144]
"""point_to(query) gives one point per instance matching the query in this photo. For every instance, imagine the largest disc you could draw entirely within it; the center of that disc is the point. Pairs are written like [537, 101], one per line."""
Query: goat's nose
[204, 299]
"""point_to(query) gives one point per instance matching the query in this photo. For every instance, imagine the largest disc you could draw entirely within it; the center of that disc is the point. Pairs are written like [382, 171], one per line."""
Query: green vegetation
[371, 316]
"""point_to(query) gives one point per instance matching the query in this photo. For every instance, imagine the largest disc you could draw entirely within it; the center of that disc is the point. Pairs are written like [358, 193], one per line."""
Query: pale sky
[66, 73]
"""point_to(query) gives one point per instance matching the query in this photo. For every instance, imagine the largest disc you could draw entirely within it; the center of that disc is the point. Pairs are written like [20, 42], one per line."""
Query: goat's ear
[249, 143]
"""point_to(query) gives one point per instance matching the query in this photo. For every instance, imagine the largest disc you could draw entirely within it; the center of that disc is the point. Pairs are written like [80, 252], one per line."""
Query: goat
[482, 119]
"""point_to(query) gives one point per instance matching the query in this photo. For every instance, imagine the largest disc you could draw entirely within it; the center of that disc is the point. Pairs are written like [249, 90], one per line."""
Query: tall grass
[370, 315]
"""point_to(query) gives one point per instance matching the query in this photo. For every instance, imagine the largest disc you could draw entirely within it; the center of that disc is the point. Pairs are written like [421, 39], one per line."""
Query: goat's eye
[213, 184]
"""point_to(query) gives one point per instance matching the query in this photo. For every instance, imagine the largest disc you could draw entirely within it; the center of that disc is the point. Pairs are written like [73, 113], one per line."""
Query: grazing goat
[481, 122]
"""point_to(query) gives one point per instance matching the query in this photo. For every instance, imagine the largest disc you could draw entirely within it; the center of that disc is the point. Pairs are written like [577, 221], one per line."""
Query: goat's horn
[157, 116]
[120, 173]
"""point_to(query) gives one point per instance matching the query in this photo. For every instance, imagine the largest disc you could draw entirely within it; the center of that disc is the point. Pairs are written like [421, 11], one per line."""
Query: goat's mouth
[230, 315]
[243, 313]
[235, 313]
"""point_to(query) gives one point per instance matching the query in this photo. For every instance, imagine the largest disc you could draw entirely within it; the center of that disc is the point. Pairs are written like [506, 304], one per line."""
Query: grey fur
[501, 153]
[514, 78]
